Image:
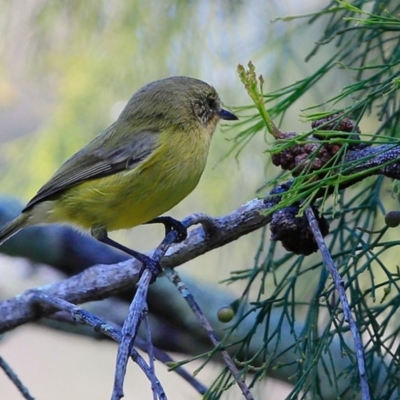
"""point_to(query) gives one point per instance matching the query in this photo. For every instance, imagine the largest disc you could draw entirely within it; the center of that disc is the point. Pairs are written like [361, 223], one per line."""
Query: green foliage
[365, 44]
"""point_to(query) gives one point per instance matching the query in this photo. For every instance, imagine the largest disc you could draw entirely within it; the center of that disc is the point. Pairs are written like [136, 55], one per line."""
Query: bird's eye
[211, 103]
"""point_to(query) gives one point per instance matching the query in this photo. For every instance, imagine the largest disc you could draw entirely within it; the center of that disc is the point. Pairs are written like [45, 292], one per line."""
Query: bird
[137, 169]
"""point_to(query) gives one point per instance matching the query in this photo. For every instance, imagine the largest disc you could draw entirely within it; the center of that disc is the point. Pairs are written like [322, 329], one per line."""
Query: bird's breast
[135, 196]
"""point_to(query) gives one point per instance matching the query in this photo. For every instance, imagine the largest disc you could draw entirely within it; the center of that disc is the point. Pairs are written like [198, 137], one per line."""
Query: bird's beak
[223, 114]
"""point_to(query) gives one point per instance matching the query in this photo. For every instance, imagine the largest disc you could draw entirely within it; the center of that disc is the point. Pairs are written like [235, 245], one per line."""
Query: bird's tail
[13, 227]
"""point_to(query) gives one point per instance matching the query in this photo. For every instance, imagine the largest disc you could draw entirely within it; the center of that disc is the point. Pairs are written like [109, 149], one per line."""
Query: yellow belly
[131, 197]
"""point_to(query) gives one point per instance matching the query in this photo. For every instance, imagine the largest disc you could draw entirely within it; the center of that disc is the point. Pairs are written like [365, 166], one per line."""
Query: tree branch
[102, 281]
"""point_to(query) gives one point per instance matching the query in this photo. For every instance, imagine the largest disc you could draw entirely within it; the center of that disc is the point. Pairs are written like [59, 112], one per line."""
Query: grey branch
[101, 281]
[339, 285]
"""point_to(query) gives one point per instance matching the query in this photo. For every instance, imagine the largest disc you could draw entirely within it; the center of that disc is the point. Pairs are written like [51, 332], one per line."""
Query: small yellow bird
[145, 163]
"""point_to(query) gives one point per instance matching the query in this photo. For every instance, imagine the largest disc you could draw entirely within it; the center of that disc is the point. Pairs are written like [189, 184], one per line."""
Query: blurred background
[66, 71]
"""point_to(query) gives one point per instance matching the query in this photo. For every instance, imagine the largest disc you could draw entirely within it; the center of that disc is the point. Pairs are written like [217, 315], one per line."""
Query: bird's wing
[99, 159]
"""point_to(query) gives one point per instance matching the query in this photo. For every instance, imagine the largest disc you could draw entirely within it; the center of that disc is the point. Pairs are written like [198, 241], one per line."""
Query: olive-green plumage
[141, 166]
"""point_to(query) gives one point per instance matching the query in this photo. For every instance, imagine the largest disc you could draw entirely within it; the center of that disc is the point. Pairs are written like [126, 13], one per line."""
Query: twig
[339, 285]
[72, 315]
[139, 305]
[15, 380]
[150, 347]
[175, 279]
[132, 322]
[65, 317]
[85, 317]
[166, 359]
[129, 332]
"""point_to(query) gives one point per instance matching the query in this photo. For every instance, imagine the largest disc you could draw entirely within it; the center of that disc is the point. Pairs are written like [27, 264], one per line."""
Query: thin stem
[175, 279]
[339, 285]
